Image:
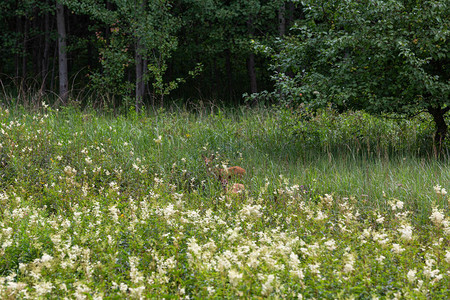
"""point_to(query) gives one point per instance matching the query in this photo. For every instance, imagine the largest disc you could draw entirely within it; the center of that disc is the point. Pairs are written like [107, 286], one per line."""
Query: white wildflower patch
[439, 190]
[406, 232]
[251, 212]
[437, 217]
[91, 220]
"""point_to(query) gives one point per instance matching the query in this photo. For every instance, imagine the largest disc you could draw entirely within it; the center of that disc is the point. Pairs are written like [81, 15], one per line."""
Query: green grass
[100, 206]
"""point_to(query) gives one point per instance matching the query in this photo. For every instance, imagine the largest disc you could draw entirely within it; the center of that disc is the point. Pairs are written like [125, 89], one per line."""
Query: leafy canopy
[387, 56]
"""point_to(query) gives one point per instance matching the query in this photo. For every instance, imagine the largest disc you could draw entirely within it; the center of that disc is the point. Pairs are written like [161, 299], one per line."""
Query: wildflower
[293, 260]
[158, 140]
[439, 190]
[43, 288]
[380, 219]
[267, 287]
[327, 200]
[123, 287]
[437, 217]
[46, 259]
[447, 256]
[210, 290]
[136, 293]
[70, 171]
[396, 204]
[406, 231]
[411, 275]
[314, 268]
[348, 267]
[251, 212]
[397, 249]
[234, 276]
[380, 259]
[330, 244]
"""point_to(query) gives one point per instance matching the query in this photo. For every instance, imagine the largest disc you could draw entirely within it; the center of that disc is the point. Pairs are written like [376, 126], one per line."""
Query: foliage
[94, 206]
[380, 56]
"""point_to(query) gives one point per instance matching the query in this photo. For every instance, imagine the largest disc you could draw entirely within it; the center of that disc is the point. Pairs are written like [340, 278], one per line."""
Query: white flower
[380, 259]
[406, 231]
[439, 190]
[437, 217]
[158, 140]
[396, 205]
[348, 267]
[43, 288]
[251, 212]
[330, 244]
[411, 275]
[314, 268]
[210, 290]
[294, 261]
[234, 276]
[267, 287]
[46, 258]
[123, 287]
[380, 219]
[327, 200]
[397, 249]
[136, 293]
[447, 256]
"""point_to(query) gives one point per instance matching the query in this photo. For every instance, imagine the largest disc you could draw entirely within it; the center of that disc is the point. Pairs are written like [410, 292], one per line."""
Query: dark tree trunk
[62, 54]
[441, 126]
[139, 76]
[251, 60]
[46, 53]
[38, 44]
[140, 65]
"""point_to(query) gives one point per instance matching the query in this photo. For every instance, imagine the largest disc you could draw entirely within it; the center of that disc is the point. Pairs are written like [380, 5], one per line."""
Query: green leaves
[378, 56]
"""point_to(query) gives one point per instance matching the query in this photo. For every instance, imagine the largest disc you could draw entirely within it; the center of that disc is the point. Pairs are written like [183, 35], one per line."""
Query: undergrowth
[335, 205]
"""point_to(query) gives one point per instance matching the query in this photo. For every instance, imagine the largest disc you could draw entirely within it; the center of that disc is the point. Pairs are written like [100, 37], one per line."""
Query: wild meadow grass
[335, 206]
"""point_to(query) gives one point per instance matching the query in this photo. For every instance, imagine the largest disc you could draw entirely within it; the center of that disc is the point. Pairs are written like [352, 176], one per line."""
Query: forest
[236, 149]
[143, 50]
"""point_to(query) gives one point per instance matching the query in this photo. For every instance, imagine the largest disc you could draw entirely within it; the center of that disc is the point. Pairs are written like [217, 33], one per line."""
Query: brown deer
[225, 174]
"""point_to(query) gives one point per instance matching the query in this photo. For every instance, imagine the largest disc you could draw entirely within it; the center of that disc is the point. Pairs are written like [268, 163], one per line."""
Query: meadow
[335, 206]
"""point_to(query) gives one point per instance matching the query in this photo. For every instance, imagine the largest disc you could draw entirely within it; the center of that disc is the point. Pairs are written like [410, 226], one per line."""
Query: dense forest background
[140, 49]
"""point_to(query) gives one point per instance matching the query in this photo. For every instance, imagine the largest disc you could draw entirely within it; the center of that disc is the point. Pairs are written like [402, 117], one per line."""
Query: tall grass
[96, 205]
[350, 154]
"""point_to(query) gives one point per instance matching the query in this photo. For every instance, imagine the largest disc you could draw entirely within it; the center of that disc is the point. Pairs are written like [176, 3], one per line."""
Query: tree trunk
[139, 76]
[46, 53]
[62, 54]
[441, 126]
[251, 60]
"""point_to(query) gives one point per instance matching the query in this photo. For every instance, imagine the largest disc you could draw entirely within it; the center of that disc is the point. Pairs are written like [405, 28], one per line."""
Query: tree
[381, 56]
[62, 54]
[139, 33]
